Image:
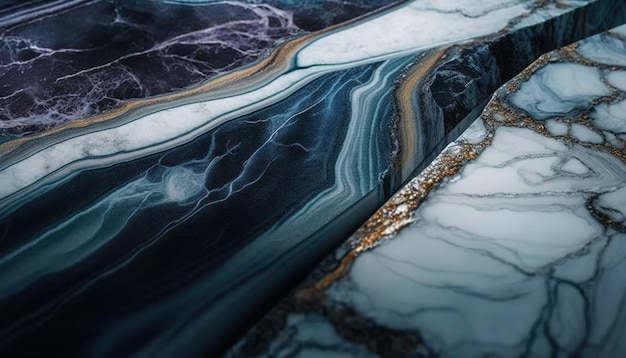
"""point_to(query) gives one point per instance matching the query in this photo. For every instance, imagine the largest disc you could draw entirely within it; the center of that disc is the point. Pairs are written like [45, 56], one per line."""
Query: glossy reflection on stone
[530, 232]
[184, 215]
[115, 51]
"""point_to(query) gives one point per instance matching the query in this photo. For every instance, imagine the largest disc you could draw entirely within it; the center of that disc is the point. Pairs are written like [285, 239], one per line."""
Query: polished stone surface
[237, 149]
[511, 243]
[64, 61]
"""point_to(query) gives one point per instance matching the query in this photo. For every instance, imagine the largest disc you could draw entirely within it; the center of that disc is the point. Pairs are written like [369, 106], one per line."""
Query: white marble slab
[520, 252]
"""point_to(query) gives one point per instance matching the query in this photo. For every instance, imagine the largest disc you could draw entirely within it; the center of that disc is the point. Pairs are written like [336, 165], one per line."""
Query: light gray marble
[522, 252]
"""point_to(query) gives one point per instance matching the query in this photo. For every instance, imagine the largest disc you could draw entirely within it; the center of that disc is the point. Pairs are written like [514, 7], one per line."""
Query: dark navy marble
[200, 203]
[59, 62]
[179, 246]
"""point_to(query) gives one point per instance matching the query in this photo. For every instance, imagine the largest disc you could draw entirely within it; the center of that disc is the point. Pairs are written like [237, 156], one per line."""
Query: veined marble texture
[165, 226]
[65, 60]
[510, 243]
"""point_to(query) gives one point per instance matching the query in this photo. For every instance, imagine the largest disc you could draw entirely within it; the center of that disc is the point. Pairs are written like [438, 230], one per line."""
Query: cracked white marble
[511, 238]
[167, 225]
[522, 252]
[559, 89]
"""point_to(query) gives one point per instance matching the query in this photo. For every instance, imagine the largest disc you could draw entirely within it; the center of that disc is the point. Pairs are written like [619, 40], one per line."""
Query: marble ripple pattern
[511, 243]
[164, 226]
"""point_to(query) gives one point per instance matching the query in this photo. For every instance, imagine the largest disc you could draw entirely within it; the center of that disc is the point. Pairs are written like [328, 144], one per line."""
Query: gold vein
[396, 213]
[408, 118]
[270, 67]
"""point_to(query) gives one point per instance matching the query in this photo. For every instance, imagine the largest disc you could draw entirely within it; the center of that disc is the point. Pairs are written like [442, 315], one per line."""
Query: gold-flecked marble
[408, 127]
[397, 212]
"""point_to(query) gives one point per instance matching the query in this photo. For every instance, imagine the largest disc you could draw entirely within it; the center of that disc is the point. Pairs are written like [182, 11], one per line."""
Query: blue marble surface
[163, 182]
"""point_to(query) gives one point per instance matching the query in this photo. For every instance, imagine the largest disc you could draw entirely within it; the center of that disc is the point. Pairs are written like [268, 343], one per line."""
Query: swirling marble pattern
[514, 243]
[181, 217]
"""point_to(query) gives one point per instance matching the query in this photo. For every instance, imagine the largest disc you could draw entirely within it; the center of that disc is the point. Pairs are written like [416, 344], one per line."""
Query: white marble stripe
[364, 42]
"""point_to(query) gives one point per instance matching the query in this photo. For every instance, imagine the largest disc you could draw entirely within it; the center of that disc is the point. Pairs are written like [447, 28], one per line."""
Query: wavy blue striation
[166, 228]
[516, 251]
[200, 203]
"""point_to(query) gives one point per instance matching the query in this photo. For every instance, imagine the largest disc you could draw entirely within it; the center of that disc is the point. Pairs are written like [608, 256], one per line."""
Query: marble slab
[512, 242]
[168, 224]
[67, 60]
